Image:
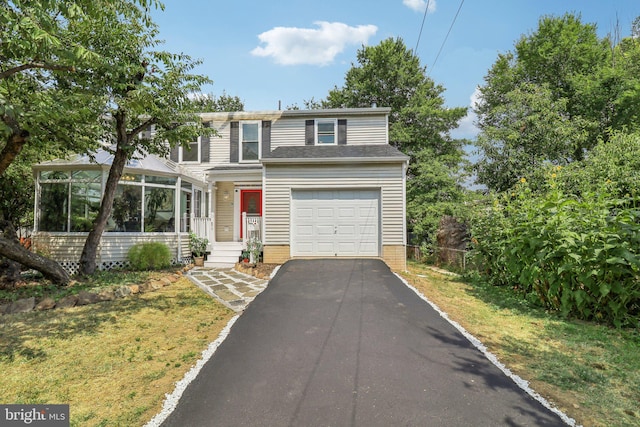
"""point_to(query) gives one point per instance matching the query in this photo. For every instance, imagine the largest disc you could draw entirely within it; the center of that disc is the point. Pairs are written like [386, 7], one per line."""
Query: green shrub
[577, 255]
[149, 256]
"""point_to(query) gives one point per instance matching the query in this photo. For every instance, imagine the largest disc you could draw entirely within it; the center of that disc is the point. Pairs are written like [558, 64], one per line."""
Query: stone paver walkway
[232, 288]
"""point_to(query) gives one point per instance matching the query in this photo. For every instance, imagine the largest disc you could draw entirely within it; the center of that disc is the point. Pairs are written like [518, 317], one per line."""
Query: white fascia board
[336, 160]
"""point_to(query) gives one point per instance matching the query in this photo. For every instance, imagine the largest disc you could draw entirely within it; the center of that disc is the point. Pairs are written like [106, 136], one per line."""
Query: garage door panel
[305, 213]
[304, 230]
[325, 213]
[343, 223]
[348, 213]
[368, 230]
[324, 230]
[346, 231]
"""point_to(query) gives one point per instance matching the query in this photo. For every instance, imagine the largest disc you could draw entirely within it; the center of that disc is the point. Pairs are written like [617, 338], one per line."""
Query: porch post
[176, 215]
[213, 195]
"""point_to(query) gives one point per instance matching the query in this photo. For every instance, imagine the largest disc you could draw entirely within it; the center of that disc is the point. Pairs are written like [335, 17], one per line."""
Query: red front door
[251, 203]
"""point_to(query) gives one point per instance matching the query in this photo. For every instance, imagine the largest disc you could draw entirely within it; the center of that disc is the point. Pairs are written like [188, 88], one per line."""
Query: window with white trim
[249, 141]
[326, 130]
[191, 154]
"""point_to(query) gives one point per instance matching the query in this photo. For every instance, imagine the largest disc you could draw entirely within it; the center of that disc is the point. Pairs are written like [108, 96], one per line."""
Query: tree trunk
[120, 158]
[9, 269]
[49, 268]
[14, 144]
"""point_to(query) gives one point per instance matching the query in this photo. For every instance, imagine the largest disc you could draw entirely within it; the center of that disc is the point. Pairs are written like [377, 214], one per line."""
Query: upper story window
[191, 154]
[326, 131]
[249, 141]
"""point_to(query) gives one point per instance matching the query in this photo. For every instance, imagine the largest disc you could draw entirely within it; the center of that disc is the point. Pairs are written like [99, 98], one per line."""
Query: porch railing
[251, 228]
[203, 227]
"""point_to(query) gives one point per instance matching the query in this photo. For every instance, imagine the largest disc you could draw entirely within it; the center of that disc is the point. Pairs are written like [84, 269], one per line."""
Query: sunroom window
[69, 201]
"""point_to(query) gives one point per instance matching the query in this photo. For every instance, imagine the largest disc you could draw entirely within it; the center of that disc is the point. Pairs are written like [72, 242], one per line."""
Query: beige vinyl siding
[366, 130]
[219, 145]
[360, 130]
[279, 180]
[287, 132]
[224, 212]
[290, 132]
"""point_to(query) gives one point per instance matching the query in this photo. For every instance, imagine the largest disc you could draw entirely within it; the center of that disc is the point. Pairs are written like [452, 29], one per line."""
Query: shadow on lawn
[24, 335]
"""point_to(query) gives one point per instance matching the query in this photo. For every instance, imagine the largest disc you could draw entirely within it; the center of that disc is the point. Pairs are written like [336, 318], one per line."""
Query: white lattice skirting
[72, 267]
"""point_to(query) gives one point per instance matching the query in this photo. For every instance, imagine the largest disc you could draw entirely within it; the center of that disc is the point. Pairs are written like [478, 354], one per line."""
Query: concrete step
[226, 253]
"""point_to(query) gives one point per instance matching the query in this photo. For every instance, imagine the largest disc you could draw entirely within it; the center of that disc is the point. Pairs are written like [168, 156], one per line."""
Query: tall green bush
[149, 256]
[577, 255]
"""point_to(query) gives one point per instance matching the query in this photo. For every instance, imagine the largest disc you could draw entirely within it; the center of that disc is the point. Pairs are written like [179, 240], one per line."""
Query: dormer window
[249, 141]
[326, 131]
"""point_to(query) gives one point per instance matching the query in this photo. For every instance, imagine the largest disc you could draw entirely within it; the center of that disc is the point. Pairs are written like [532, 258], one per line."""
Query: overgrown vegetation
[149, 256]
[572, 244]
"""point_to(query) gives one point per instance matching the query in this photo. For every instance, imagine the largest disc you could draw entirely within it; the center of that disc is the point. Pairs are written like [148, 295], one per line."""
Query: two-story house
[313, 183]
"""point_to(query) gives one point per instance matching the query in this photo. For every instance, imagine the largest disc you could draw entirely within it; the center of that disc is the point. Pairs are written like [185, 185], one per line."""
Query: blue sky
[294, 50]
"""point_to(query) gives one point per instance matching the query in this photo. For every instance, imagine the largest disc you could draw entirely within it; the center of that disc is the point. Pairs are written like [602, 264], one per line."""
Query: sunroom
[156, 201]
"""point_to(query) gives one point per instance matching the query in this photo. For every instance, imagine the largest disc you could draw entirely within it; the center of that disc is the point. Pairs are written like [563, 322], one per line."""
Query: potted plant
[198, 246]
[254, 247]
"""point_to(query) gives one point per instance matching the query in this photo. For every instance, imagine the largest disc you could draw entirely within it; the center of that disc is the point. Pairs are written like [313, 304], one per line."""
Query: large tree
[77, 74]
[41, 113]
[553, 98]
[390, 75]
[146, 87]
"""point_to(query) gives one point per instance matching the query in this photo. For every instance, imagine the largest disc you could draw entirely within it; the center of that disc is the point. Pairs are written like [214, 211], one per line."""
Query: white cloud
[294, 46]
[466, 127]
[420, 5]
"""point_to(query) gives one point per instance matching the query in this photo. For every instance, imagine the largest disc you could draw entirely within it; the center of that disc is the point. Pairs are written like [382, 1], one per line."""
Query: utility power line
[447, 36]
[424, 17]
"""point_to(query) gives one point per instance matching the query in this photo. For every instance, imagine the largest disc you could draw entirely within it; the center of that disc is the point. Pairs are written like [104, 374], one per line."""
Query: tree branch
[143, 126]
[30, 65]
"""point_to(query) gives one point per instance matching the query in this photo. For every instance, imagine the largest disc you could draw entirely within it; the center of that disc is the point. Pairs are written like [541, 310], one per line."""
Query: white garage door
[335, 223]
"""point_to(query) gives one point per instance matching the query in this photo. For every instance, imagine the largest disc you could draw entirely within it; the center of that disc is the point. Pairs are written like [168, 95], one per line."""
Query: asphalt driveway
[346, 343]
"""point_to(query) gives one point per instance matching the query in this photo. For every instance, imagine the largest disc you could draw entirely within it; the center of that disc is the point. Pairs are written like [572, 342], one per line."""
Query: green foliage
[616, 161]
[198, 245]
[553, 98]
[576, 255]
[224, 102]
[149, 256]
[390, 75]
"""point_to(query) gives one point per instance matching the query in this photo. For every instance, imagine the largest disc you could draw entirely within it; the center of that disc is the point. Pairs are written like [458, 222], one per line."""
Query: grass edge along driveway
[590, 372]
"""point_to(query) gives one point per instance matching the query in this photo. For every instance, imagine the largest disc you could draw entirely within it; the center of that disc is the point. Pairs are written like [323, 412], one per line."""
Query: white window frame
[198, 147]
[335, 131]
[241, 138]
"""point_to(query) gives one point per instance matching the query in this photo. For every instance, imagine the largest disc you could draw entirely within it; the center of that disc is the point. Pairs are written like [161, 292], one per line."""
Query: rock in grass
[67, 302]
[106, 295]
[122, 292]
[86, 298]
[22, 306]
[145, 287]
[46, 304]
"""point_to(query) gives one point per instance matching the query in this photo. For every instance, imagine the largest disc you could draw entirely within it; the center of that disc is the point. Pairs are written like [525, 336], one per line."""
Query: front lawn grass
[591, 372]
[112, 362]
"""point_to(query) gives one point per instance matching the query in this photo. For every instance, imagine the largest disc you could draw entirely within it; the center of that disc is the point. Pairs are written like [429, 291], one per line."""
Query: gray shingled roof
[377, 152]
